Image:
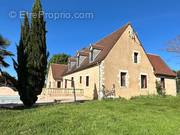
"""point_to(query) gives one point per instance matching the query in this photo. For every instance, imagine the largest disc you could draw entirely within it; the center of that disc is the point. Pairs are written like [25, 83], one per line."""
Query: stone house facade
[116, 63]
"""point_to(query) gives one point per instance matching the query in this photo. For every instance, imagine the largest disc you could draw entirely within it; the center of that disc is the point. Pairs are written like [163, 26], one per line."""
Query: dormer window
[78, 63]
[71, 63]
[91, 55]
[81, 56]
[94, 52]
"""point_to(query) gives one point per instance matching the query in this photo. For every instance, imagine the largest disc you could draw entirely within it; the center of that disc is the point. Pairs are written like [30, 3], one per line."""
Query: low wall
[6, 91]
[61, 92]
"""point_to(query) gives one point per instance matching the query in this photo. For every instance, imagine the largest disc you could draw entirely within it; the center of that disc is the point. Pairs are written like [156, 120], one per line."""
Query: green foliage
[141, 116]
[178, 81]
[4, 43]
[32, 57]
[178, 74]
[159, 89]
[61, 58]
[21, 66]
[8, 80]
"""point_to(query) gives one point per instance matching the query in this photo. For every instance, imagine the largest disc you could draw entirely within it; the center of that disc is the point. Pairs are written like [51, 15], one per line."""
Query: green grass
[140, 116]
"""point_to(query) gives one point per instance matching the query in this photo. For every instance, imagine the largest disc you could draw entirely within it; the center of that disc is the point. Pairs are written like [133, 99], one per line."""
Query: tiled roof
[83, 53]
[106, 43]
[72, 59]
[99, 47]
[58, 71]
[159, 66]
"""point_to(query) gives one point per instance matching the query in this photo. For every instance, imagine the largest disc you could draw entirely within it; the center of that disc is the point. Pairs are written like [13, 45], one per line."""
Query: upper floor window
[136, 57]
[91, 55]
[123, 77]
[94, 52]
[78, 61]
[87, 81]
[162, 83]
[143, 81]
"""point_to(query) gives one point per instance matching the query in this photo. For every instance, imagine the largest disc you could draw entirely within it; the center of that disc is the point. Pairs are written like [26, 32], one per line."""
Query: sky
[155, 21]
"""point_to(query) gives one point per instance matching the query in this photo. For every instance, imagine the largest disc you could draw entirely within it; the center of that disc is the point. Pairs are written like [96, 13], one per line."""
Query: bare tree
[173, 46]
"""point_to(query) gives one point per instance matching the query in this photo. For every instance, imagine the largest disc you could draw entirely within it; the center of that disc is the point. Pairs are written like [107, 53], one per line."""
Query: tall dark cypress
[39, 54]
[21, 65]
[32, 57]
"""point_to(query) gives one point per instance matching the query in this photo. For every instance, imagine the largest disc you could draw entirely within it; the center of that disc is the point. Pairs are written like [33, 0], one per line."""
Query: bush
[159, 89]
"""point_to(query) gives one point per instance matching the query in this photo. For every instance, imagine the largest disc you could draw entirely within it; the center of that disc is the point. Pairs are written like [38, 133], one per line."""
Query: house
[117, 62]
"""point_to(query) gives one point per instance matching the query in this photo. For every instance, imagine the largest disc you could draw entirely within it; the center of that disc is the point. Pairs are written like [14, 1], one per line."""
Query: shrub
[159, 89]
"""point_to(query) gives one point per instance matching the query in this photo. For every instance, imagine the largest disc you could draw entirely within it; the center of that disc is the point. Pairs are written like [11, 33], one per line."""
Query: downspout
[99, 95]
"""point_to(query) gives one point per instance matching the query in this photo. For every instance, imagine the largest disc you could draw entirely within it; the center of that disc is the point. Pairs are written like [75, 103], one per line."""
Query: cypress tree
[39, 55]
[32, 57]
[21, 65]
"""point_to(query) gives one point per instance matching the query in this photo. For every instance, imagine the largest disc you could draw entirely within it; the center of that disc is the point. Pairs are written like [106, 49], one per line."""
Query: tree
[61, 58]
[21, 66]
[159, 89]
[173, 45]
[8, 80]
[32, 57]
[3, 52]
[37, 60]
[178, 81]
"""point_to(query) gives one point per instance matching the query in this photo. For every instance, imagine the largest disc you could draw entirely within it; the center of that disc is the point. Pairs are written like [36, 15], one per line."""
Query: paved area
[10, 99]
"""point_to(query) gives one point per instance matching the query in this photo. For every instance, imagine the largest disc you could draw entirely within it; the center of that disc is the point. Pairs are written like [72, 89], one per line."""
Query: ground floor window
[143, 81]
[65, 85]
[59, 84]
[162, 83]
[87, 81]
[72, 81]
[80, 79]
[123, 79]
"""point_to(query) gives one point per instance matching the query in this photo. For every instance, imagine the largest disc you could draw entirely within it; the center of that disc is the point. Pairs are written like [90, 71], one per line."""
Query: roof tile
[58, 71]
[160, 67]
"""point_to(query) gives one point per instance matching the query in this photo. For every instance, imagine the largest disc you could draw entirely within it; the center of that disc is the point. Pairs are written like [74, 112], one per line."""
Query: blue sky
[155, 21]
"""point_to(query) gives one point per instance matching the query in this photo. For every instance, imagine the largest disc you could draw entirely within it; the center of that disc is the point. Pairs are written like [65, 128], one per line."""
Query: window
[58, 84]
[162, 83]
[91, 55]
[80, 79]
[87, 81]
[135, 57]
[72, 81]
[143, 81]
[123, 79]
[78, 61]
[65, 83]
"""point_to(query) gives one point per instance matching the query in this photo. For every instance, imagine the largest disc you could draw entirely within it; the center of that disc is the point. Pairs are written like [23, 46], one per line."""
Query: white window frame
[85, 81]
[138, 58]
[147, 81]
[127, 78]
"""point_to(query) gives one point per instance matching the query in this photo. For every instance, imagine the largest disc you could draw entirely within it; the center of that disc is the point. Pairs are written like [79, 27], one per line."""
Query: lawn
[140, 116]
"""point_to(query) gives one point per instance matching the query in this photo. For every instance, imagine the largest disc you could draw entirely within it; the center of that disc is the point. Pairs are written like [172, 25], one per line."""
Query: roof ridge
[108, 43]
[108, 35]
[153, 54]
